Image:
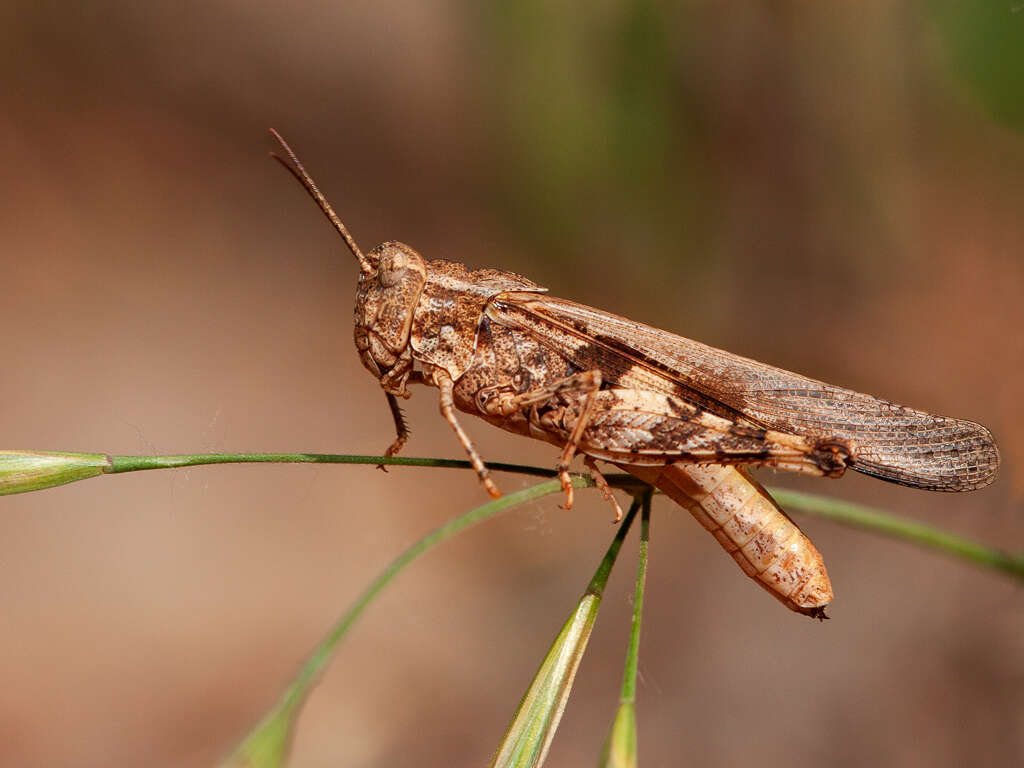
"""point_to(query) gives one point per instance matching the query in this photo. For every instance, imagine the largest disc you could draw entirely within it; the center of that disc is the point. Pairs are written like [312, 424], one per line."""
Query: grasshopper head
[385, 305]
[391, 280]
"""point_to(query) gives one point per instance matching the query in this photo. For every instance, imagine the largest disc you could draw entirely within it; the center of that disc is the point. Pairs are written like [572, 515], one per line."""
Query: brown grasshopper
[679, 415]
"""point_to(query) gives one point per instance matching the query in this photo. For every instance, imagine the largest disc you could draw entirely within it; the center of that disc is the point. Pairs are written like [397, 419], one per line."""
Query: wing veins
[889, 441]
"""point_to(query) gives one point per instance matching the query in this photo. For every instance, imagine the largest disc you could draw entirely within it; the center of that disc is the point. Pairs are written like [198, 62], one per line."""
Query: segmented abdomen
[751, 527]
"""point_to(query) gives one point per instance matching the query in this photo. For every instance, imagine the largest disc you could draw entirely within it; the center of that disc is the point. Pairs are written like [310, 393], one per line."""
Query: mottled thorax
[444, 330]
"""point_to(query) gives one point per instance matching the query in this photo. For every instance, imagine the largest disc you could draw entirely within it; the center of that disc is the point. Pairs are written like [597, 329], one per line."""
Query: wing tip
[967, 462]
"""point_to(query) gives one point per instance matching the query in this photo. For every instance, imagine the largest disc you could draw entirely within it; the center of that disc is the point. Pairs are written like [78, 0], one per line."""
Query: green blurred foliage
[586, 106]
[985, 41]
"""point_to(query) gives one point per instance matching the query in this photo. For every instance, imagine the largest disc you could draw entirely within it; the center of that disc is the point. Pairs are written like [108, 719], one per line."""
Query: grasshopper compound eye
[394, 262]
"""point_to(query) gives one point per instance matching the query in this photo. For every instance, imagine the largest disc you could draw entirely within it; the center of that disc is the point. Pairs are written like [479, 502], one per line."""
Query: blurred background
[837, 190]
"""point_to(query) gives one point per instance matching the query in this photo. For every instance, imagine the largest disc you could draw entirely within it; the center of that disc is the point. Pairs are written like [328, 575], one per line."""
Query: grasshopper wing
[889, 441]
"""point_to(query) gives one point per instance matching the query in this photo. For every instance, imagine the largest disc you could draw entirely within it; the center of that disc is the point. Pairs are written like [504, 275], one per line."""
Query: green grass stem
[533, 726]
[927, 536]
[267, 745]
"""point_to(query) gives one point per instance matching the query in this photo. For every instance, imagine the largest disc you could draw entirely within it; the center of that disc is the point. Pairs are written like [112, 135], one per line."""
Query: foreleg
[401, 425]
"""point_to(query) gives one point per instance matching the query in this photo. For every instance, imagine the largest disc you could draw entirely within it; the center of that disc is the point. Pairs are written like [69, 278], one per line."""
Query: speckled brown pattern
[742, 516]
[886, 440]
[682, 416]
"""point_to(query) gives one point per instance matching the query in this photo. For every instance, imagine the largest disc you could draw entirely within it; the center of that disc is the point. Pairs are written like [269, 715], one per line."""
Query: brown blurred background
[837, 190]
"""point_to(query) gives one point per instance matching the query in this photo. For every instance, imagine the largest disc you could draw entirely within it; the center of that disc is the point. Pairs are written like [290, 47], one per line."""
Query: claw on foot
[567, 489]
[606, 490]
[492, 489]
[393, 450]
[618, 510]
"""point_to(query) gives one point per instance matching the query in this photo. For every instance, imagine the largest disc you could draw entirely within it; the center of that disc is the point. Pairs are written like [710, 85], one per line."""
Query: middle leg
[587, 384]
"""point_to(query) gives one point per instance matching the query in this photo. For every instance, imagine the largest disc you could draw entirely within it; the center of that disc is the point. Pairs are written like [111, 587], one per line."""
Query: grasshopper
[681, 416]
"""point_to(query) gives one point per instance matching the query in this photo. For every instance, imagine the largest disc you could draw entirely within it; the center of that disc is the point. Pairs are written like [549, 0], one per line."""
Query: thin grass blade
[533, 727]
[929, 537]
[620, 749]
[267, 744]
[24, 471]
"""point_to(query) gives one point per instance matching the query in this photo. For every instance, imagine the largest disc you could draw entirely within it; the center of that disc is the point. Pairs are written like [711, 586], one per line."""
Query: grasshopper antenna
[310, 186]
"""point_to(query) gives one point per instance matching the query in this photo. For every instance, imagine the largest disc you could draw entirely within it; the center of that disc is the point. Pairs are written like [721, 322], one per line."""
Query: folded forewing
[886, 440]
